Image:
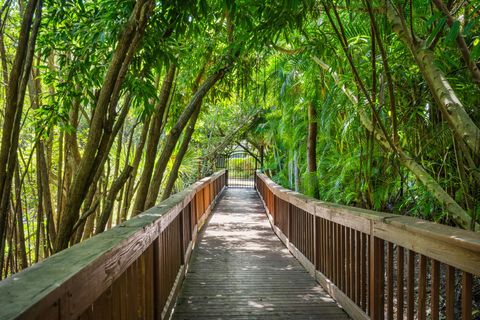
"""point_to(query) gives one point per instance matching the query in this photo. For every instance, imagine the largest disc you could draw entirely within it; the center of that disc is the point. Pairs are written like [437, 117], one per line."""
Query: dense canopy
[110, 106]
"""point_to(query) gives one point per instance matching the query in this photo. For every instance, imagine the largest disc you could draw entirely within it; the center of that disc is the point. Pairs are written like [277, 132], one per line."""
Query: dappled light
[336, 142]
[241, 267]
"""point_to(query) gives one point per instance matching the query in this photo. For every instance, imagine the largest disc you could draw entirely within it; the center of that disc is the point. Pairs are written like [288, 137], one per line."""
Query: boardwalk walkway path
[241, 270]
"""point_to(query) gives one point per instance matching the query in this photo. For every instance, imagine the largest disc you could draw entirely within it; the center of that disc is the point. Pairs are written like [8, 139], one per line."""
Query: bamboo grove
[108, 107]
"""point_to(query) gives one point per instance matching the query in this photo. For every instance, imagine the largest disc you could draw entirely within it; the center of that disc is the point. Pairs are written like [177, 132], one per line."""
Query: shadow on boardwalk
[241, 270]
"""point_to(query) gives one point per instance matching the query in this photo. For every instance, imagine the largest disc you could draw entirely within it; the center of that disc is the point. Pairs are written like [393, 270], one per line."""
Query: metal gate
[241, 168]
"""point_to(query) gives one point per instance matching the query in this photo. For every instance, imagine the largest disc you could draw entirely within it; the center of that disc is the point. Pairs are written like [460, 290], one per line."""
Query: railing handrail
[428, 238]
[91, 266]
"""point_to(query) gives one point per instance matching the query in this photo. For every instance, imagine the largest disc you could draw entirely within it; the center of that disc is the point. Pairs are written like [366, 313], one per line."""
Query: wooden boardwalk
[241, 270]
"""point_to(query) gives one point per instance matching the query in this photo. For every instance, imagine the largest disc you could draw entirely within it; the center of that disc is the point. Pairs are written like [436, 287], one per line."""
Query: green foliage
[261, 101]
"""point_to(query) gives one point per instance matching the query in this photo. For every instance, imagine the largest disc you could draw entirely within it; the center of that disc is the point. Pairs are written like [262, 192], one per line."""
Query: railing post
[226, 177]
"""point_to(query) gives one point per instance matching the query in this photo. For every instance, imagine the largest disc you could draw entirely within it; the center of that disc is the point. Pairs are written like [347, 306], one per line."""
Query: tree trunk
[181, 153]
[296, 175]
[71, 157]
[34, 88]
[152, 141]
[14, 99]
[103, 118]
[46, 195]
[136, 162]
[446, 98]
[175, 133]
[19, 212]
[109, 201]
[457, 213]
[462, 46]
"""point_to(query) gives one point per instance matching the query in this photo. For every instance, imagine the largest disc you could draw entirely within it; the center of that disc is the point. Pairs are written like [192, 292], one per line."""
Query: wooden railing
[377, 265]
[132, 271]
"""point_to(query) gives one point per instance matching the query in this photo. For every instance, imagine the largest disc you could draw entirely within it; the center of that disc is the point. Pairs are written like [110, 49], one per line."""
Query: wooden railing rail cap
[455, 247]
[90, 266]
[459, 237]
[424, 237]
[201, 183]
[302, 201]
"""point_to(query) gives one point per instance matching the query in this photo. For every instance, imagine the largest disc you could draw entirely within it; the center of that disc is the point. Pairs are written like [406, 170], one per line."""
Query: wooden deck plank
[241, 270]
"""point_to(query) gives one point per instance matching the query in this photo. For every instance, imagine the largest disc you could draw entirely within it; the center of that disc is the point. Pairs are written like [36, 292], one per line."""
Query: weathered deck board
[241, 270]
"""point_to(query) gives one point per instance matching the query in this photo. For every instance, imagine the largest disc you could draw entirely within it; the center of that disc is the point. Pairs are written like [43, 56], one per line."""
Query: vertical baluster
[466, 296]
[347, 262]
[296, 226]
[101, 308]
[311, 235]
[422, 288]
[181, 235]
[157, 280]
[376, 278]
[124, 295]
[358, 270]
[341, 263]
[435, 290]
[275, 218]
[346, 256]
[450, 293]
[298, 231]
[324, 246]
[142, 298]
[363, 285]
[337, 255]
[389, 280]
[343, 259]
[331, 250]
[400, 275]
[314, 239]
[350, 264]
[149, 294]
[410, 285]
[292, 223]
[303, 231]
[330, 246]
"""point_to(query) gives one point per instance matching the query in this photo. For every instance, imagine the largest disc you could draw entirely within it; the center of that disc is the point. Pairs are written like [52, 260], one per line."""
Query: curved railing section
[377, 265]
[132, 271]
